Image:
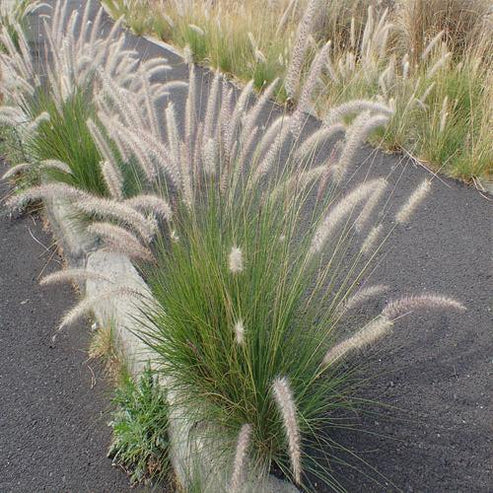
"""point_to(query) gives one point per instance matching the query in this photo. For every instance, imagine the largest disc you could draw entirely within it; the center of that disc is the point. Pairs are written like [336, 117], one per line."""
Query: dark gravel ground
[53, 402]
[434, 375]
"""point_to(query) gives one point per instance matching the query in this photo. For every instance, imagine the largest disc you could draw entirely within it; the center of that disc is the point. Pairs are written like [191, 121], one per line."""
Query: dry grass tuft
[458, 21]
[102, 347]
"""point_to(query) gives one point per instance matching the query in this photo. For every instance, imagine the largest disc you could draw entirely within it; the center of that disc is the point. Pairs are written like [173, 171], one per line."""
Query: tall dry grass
[386, 53]
[461, 22]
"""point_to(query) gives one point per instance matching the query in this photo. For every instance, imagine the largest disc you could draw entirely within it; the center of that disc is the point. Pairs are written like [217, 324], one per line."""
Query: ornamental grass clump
[250, 326]
[430, 61]
[256, 266]
[49, 109]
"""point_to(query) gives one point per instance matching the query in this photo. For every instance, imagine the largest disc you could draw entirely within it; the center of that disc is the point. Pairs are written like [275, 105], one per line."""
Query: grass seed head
[239, 463]
[287, 408]
[406, 211]
[235, 260]
[368, 335]
[407, 304]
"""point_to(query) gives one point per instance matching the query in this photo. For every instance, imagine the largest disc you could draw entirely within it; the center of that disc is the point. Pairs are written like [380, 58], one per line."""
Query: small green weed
[140, 428]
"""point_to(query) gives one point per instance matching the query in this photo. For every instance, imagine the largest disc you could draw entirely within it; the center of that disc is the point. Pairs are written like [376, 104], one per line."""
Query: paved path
[437, 369]
[53, 402]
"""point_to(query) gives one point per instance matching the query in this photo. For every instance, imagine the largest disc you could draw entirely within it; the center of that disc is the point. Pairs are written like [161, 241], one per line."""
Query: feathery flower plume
[72, 275]
[287, 408]
[308, 88]
[359, 131]
[225, 111]
[239, 330]
[149, 104]
[253, 113]
[360, 297]
[269, 136]
[245, 148]
[367, 32]
[113, 179]
[161, 90]
[370, 205]
[260, 57]
[149, 65]
[253, 41]
[329, 168]
[373, 331]
[210, 113]
[289, 11]
[173, 135]
[432, 44]
[443, 114]
[408, 304]
[240, 457]
[335, 115]
[156, 155]
[386, 78]
[298, 182]
[152, 203]
[123, 104]
[96, 26]
[209, 155]
[316, 139]
[102, 144]
[190, 107]
[42, 117]
[197, 152]
[49, 191]
[235, 260]
[90, 302]
[427, 92]
[371, 239]
[55, 164]
[105, 208]
[273, 153]
[406, 211]
[235, 118]
[305, 27]
[341, 210]
[352, 34]
[174, 236]
[405, 69]
[141, 147]
[380, 35]
[439, 64]
[187, 185]
[196, 29]
[120, 240]
[12, 116]
[14, 170]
